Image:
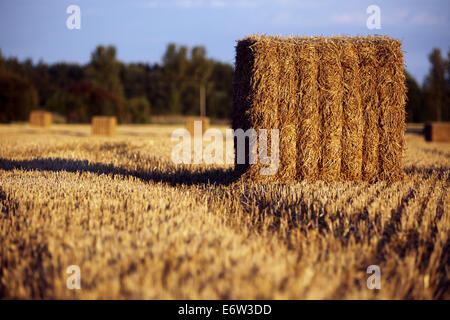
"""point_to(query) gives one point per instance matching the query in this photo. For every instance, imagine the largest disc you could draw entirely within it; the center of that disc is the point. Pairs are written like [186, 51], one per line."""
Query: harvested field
[140, 227]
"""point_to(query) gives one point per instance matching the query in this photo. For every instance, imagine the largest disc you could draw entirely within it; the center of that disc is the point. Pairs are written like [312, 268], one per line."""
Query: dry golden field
[140, 227]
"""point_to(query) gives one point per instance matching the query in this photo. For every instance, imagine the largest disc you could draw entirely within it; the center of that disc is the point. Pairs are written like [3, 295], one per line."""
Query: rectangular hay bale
[40, 118]
[191, 121]
[437, 131]
[104, 125]
[338, 104]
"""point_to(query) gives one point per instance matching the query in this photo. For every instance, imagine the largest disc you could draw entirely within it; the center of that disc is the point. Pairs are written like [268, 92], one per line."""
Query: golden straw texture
[338, 103]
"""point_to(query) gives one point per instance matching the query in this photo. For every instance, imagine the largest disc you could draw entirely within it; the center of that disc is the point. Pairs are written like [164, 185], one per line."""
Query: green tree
[414, 104]
[135, 78]
[435, 86]
[17, 97]
[95, 101]
[138, 109]
[64, 103]
[2, 62]
[65, 75]
[198, 74]
[219, 98]
[104, 70]
[40, 76]
[173, 76]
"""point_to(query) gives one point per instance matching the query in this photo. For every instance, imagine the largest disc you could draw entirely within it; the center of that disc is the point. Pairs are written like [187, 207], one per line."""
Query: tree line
[106, 86]
[135, 91]
[431, 101]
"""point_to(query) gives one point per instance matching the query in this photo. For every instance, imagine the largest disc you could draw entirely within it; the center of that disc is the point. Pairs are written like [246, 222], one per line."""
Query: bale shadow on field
[176, 176]
[70, 133]
[426, 172]
[439, 153]
[142, 134]
[55, 132]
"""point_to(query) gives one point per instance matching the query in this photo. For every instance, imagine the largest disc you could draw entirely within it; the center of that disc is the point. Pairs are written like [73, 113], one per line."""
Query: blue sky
[141, 29]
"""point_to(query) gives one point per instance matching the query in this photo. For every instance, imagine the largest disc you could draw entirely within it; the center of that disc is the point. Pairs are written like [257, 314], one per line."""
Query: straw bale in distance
[190, 124]
[437, 131]
[40, 118]
[104, 125]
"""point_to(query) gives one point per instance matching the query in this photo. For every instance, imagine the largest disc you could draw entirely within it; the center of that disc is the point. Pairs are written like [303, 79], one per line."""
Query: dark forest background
[136, 91]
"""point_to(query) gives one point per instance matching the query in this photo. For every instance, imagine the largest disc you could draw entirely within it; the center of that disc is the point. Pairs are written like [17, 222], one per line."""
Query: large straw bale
[104, 125]
[338, 103]
[40, 118]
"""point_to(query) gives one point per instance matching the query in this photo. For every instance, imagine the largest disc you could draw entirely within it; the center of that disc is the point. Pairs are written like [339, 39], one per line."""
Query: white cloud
[392, 18]
[283, 18]
[218, 4]
[353, 18]
[282, 11]
[290, 18]
[246, 4]
[189, 3]
[205, 3]
[407, 18]
[152, 4]
[428, 19]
